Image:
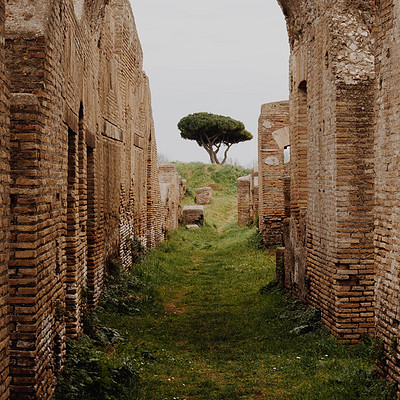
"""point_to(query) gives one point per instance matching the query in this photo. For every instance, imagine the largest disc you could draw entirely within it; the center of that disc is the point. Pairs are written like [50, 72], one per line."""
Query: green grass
[222, 179]
[201, 318]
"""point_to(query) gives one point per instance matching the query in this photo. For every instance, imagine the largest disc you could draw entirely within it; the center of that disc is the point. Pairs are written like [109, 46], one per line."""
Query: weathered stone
[193, 214]
[192, 227]
[171, 195]
[244, 199]
[203, 195]
[247, 194]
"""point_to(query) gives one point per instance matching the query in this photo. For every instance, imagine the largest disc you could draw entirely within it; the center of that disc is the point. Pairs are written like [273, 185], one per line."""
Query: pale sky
[221, 56]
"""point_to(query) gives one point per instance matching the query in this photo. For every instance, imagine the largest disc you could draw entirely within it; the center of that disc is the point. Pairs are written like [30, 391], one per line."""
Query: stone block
[192, 227]
[193, 214]
[203, 195]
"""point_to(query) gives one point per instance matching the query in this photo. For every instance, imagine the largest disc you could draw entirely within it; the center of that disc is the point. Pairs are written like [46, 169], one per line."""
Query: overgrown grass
[202, 318]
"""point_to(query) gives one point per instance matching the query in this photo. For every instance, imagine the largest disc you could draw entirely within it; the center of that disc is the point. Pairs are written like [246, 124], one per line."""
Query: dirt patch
[215, 187]
[174, 309]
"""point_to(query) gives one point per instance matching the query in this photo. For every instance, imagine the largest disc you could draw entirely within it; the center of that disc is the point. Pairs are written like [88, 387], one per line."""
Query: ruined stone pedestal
[193, 214]
[203, 195]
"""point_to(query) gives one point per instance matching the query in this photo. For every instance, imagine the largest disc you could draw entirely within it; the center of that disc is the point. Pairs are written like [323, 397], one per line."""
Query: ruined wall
[247, 197]
[244, 199]
[83, 171]
[256, 195]
[273, 117]
[387, 184]
[4, 217]
[171, 196]
[331, 135]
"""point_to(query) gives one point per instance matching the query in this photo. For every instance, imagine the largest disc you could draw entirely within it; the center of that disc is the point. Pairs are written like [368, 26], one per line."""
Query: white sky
[222, 56]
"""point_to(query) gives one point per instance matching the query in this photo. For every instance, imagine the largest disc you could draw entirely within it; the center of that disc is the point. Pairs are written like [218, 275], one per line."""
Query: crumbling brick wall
[332, 78]
[171, 196]
[273, 117]
[247, 198]
[256, 195]
[387, 184]
[83, 174]
[4, 217]
[244, 199]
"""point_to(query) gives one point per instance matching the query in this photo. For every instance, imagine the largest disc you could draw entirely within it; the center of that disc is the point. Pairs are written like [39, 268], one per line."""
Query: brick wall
[255, 194]
[83, 175]
[329, 254]
[4, 217]
[247, 195]
[273, 117]
[171, 196]
[244, 199]
[387, 183]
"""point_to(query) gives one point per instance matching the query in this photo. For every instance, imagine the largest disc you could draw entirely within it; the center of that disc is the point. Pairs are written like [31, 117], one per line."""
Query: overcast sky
[221, 56]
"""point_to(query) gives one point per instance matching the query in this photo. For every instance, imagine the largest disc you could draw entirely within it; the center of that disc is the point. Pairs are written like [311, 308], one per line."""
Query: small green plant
[129, 292]
[191, 193]
[256, 240]
[138, 250]
[92, 374]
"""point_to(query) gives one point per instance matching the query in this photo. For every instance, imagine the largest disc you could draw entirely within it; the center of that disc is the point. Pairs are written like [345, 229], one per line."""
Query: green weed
[93, 374]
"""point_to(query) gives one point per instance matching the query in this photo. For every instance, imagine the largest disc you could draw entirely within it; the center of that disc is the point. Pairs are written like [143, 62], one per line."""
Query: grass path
[216, 336]
[200, 318]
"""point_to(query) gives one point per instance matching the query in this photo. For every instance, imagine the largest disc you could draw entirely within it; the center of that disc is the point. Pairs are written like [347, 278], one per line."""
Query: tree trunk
[214, 153]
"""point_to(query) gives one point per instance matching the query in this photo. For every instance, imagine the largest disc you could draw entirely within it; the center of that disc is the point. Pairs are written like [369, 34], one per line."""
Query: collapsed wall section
[330, 251]
[273, 137]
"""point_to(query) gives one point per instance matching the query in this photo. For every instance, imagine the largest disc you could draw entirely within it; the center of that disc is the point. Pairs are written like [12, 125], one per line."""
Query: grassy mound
[222, 179]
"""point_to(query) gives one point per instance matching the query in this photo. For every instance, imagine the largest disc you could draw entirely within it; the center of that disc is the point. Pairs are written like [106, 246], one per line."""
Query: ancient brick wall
[84, 179]
[273, 118]
[330, 249]
[256, 195]
[4, 217]
[247, 198]
[244, 199]
[387, 184]
[171, 196]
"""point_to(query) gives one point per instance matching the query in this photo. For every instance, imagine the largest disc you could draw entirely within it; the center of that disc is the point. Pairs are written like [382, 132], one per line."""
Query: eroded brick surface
[4, 217]
[172, 190]
[247, 195]
[273, 121]
[387, 158]
[203, 195]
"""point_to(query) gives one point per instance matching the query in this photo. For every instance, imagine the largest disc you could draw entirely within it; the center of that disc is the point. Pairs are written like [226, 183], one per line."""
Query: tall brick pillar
[273, 117]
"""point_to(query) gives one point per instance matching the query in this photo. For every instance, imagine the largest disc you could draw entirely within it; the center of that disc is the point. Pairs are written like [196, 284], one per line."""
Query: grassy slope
[201, 328]
[222, 179]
